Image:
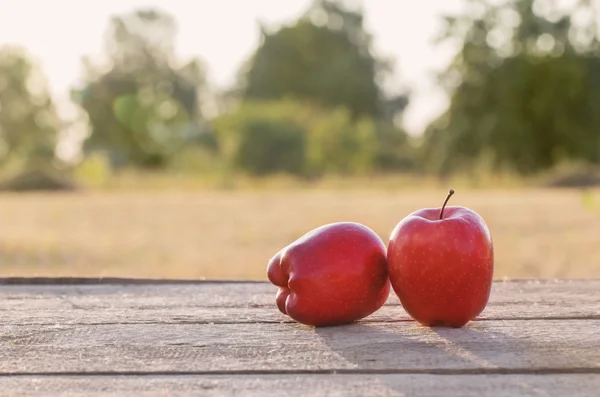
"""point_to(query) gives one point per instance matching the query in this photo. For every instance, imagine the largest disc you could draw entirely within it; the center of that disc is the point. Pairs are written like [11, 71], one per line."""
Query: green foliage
[338, 145]
[394, 149]
[271, 145]
[296, 138]
[143, 109]
[264, 137]
[196, 160]
[524, 94]
[29, 123]
[324, 57]
[531, 113]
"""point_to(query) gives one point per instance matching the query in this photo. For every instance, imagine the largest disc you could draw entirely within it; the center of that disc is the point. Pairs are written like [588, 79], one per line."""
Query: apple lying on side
[440, 264]
[335, 274]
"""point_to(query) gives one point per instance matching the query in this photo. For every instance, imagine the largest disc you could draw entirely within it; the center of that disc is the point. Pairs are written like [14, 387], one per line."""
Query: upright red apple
[335, 274]
[440, 264]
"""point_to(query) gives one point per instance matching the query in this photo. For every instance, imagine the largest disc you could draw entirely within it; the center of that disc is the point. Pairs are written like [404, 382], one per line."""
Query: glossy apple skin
[442, 270]
[336, 274]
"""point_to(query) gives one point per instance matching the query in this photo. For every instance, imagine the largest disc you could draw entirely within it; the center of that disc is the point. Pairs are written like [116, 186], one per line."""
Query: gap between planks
[363, 321]
[366, 371]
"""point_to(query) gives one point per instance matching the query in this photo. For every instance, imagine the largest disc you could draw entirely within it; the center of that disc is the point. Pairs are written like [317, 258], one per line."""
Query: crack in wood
[238, 322]
[341, 371]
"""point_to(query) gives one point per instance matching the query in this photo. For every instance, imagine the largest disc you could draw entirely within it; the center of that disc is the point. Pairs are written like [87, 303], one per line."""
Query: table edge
[200, 281]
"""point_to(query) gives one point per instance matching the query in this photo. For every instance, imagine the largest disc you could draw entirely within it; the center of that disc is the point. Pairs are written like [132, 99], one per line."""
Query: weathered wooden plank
[254, 302]
[573, 385]
[493, 345]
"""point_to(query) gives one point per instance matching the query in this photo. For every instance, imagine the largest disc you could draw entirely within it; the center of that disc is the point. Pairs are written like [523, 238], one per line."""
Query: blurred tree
[145, 106]
[29, 123]
[326, 57]
[523, 88]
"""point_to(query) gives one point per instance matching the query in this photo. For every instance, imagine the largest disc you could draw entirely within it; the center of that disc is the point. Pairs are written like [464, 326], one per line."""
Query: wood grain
[296, 386]
[494, 346]
[254, 302]
[225, 339]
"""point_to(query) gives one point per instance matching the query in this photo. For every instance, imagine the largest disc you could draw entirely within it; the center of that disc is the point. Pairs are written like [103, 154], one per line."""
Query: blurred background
[194, 139]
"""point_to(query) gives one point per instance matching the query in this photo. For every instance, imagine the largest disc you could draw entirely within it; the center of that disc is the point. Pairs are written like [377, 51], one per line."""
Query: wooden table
[138, 338]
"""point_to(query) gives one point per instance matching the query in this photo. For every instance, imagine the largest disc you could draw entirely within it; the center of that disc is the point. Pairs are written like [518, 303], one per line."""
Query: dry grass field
[220, 234]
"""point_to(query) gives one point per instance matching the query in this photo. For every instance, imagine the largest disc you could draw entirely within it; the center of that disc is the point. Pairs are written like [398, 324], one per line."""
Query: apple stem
[450, 193]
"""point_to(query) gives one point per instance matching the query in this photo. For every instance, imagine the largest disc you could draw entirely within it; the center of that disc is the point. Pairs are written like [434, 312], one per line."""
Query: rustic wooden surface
[122, 338]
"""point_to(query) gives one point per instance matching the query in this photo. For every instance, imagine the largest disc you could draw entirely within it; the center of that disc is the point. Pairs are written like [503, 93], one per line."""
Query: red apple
[335, 274]
[440, 264]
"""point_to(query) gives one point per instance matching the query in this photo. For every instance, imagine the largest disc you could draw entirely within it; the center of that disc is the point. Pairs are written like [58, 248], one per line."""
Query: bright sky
[223, 33]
